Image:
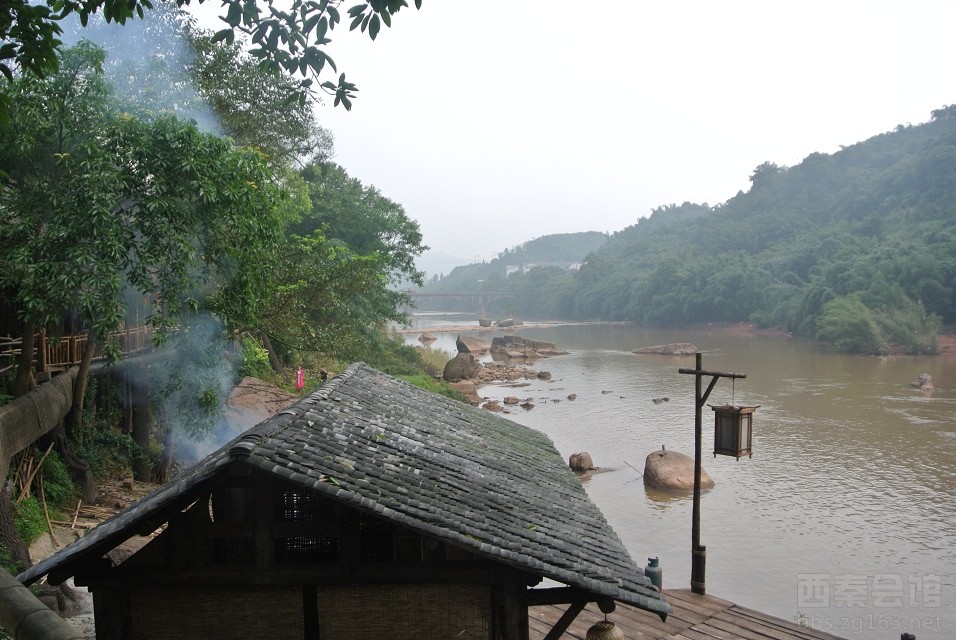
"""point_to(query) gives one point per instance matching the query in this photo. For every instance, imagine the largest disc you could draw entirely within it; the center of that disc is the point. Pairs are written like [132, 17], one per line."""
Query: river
[843, 519]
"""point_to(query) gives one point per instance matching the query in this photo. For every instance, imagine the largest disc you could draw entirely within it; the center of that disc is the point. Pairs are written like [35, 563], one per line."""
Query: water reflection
[662, 499]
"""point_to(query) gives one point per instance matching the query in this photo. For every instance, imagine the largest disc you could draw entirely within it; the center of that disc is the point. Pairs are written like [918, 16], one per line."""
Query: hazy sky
[495, 123]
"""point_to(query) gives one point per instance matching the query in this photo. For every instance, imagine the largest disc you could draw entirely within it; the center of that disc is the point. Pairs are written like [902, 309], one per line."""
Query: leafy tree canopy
[339, 277]
[289, 37]
[95, 200]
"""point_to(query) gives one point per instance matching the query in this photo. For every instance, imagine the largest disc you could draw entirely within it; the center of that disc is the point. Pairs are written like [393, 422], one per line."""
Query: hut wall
[406, 612]
[189, 613]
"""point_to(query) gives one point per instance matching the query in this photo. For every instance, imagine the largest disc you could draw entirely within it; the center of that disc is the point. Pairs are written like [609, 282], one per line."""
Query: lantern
[604, 630]
[732, 430]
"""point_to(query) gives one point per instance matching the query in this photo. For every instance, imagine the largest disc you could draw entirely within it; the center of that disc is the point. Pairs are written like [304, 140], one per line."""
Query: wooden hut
[369, 509]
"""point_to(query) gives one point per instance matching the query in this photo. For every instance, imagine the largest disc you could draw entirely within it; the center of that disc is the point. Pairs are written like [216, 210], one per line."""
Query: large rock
[468, 389]
[673, 471]
[672, 349]
[581, 462]
[461, 367]
[503, 372]
[472, 345]
[518, 347]
[924, 382]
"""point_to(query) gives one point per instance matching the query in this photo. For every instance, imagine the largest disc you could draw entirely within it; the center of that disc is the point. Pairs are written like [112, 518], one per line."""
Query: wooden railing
[56, 354]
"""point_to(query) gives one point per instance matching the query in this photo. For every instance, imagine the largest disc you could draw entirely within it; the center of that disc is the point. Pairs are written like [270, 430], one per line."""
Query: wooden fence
[58, 354]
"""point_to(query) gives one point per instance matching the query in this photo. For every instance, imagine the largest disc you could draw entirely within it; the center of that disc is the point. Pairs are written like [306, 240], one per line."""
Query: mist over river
[845, 516]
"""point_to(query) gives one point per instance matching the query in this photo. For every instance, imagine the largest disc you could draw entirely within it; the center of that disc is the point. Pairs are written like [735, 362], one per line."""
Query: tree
[290, 38]
[335, 284]
[316, 299]
[95, 202]
[361, 217]
[850, 326]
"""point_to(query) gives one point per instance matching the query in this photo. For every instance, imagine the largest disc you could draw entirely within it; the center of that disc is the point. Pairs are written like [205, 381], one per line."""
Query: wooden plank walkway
[694, 617]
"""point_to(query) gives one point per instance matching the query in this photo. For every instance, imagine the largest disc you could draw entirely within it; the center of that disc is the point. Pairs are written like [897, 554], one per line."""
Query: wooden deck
[694, 617]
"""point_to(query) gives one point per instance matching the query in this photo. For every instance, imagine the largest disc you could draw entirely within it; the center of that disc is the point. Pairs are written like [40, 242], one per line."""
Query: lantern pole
[698, 552]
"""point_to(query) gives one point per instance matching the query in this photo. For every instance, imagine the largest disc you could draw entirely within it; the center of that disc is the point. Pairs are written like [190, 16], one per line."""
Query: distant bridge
[477, 299]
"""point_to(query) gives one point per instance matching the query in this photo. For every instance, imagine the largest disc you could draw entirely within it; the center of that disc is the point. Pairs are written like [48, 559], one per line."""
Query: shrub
[849, 325]
[435, 386]
[109, 453]
[433, 360]
[58, 487]
[254, 360]
[29, 519]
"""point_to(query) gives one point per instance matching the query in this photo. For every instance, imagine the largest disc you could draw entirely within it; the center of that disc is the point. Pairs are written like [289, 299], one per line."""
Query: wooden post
[42, 356]
[698, 552]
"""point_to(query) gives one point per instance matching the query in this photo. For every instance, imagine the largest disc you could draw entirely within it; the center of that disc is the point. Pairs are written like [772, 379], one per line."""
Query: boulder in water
[672, 349]
[581, 462]
[472, 345]
[924, 382]
[673, 471]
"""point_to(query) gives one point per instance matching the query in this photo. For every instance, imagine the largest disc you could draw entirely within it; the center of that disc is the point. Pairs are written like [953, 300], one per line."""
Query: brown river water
[844, 518]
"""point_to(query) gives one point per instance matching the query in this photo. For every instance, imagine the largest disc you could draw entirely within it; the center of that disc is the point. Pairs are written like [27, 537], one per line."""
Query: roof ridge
[322, 393]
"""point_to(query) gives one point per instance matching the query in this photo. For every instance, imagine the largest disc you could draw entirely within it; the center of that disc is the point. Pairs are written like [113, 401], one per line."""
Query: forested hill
[560, 250]
[855, 248]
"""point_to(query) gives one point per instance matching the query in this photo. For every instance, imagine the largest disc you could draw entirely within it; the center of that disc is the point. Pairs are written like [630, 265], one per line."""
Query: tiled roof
[429, 463]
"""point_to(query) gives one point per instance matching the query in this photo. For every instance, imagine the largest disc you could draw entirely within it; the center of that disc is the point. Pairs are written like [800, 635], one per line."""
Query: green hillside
[855, 248]
[552, 254]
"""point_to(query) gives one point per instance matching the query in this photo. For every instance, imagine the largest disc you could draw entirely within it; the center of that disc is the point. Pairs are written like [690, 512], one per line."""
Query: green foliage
[393, 356]
[849, 325]
[110, 453]
[193, 384]
[7, 564]
[286, 38]
[362, 219]
[429, 383]
[555, 248]
[58, 487]
[541, 291]
[334, 285]
[97, 201]
[433, 360]
[29, 519]
[254, 360]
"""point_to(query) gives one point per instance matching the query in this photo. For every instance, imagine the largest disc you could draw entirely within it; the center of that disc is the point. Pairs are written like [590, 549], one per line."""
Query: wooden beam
[322, 574]
[565, 620]
[555, 595]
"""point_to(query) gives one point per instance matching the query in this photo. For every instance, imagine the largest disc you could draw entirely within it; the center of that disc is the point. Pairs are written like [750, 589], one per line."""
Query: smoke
[189, 379]
[148, 64]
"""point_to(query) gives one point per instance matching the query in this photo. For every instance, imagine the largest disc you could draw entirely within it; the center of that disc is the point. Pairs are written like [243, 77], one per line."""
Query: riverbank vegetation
[856, 249]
